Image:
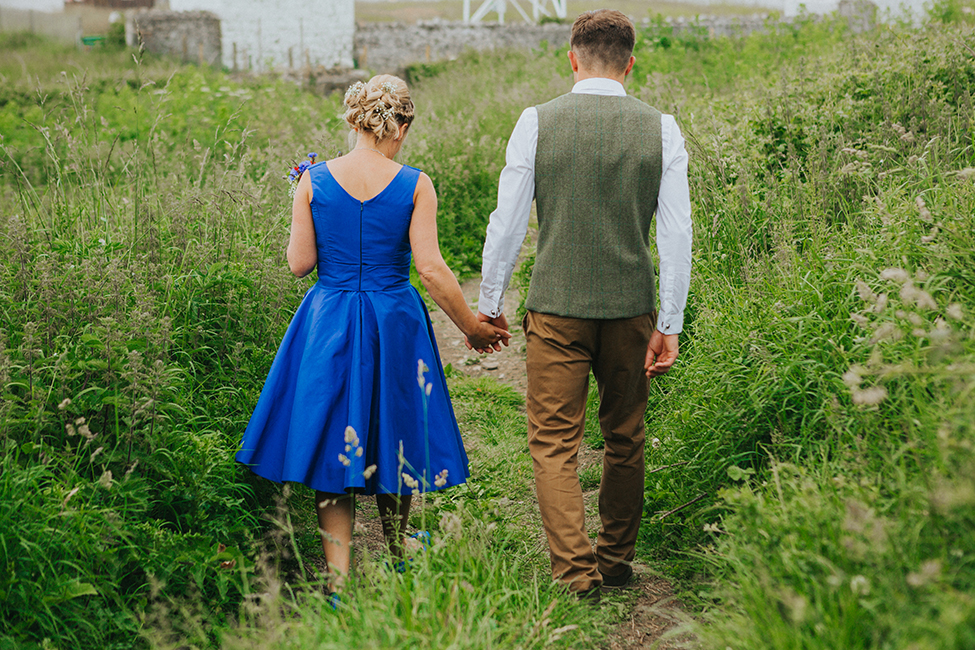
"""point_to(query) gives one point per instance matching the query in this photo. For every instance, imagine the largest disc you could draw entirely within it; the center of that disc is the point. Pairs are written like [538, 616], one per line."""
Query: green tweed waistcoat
[597, 175]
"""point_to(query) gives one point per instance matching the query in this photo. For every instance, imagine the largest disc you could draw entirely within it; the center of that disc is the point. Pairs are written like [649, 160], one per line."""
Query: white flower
[351, 437]
[388, 87]
[409, 481]
[368, 472]
[441, 479]
[354, 90]
[358, 452]
[344, 460]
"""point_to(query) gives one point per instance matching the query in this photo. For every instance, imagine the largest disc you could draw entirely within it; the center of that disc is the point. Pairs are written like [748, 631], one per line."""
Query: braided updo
[379, 106]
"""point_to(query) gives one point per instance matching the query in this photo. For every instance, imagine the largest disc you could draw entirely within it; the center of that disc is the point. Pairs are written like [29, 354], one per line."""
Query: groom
[599, 164]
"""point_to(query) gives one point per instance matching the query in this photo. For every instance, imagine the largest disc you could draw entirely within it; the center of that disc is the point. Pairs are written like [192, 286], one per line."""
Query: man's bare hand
[501, 323]
[661, 353]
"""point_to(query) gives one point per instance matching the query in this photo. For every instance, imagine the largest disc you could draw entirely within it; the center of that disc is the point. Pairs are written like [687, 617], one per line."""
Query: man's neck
[582, 74]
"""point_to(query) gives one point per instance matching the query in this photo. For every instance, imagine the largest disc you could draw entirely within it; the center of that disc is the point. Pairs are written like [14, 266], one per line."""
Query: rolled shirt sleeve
[508, 224]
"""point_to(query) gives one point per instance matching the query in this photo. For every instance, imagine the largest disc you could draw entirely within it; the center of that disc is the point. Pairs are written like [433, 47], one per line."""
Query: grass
[812, 485]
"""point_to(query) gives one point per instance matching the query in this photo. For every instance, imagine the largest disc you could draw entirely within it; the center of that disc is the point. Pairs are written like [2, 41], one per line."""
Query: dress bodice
[363, 245]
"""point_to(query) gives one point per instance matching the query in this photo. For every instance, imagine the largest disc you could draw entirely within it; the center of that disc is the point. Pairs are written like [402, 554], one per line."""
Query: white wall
[264, 30]
[894, 7]
[38, 5]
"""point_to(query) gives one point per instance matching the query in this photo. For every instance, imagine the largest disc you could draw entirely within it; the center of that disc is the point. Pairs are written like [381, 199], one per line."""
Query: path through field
[649, 608]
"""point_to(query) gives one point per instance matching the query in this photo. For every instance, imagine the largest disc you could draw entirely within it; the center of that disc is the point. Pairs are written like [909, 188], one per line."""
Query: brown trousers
[561, 352]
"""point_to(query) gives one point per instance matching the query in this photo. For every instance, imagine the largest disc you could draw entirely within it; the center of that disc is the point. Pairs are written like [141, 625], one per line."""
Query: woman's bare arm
[302, 251]
[437, 276]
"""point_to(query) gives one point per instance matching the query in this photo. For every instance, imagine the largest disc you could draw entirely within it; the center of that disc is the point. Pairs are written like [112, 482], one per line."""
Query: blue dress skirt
[350, 358]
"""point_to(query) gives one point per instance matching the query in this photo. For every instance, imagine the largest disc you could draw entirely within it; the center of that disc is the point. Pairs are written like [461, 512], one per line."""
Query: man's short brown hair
[603, 40]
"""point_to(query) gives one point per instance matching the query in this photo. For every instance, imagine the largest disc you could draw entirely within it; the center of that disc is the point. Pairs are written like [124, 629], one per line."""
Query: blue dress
[350, 359]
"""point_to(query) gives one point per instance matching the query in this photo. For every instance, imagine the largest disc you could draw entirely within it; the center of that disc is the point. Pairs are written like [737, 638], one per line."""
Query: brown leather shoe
[590, 596]
[617, 582]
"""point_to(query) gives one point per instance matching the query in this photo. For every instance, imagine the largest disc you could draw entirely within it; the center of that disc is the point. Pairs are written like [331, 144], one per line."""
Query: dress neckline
[372, 198]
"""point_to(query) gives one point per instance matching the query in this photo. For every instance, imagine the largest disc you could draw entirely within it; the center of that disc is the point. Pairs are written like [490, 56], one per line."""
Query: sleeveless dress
[350, 358]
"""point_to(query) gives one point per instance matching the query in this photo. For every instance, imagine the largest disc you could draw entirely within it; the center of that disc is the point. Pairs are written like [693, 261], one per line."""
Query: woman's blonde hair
[379, 106]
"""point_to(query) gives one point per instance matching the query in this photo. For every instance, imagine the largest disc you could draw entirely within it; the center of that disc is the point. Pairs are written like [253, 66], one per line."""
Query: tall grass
[811, 483]
[816, 440]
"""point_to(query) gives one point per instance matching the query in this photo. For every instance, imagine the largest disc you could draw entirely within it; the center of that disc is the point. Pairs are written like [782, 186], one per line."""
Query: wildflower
[859, 585]
[922, 209]
[106, 479]
[441, 479]
[65, 403]
[351, 437]
[420, 369]
[388, 87]
[428, 389]
[852, 377]
[866, 293]
[91, 459]
[955, 311]
[451, 524]
[895, 274]
[859, 319]
[928, 572]
[368, 472]
[870, 396]
[344, 460]
[409, 481]
[358, 452]
[655, 443]
[68, 496]
[887, 331]
[881, 303]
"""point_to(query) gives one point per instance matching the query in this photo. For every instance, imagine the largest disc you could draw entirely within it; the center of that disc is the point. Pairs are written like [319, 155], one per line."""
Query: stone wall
[390, 47]
[66, 29]
[192, 36]
[384, 47]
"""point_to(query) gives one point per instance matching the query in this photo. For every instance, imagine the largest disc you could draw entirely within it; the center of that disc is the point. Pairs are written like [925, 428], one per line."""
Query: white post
[467, 11]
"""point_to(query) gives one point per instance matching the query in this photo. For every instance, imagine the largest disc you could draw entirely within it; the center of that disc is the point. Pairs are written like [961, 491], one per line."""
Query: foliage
[816, 439]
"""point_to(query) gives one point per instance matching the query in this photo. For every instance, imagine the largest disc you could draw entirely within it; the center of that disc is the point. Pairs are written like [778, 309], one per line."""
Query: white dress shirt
[516, 189]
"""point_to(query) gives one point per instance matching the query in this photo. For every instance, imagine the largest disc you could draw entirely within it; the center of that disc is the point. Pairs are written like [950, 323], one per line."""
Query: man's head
[603, 41]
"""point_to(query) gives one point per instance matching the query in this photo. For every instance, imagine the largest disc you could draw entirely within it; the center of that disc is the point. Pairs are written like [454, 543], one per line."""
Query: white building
[277, 33]
[52, 6]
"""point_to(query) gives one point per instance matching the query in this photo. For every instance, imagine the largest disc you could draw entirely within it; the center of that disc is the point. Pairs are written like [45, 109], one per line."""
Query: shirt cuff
[670, 323]
[489, 306]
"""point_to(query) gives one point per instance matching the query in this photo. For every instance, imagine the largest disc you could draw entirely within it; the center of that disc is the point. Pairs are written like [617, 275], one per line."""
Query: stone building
[278, 34]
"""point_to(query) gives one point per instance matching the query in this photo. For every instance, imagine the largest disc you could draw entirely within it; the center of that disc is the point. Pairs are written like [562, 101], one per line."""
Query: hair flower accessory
[385, 111]
[294, 174]
[354, 90]
[388, 87]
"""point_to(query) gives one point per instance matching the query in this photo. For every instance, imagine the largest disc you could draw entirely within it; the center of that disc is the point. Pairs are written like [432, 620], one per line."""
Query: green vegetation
[812, 481]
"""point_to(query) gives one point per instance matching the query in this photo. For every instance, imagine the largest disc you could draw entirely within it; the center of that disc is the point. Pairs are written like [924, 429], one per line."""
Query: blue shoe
[422, 543]
[334, 601]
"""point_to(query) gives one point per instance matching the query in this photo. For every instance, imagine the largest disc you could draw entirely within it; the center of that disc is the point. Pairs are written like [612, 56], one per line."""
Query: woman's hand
[487, 338]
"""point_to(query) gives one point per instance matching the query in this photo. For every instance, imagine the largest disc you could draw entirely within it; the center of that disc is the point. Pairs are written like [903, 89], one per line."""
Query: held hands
[490, 335]
[661, 353]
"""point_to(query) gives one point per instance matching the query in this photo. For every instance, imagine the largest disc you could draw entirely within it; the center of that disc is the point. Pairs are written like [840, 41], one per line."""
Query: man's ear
[573, 61]
[629, 67]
